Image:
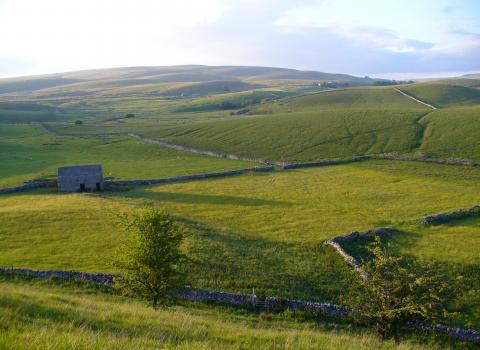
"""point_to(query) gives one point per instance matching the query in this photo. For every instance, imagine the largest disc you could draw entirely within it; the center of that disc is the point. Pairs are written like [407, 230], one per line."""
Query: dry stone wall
[332, 310]
[96, 278]
[383, 156]
[203, 152]
[28, 186]
[451, 215]
[202, 295]
[335, 243]
[448, 161]
[287, 166]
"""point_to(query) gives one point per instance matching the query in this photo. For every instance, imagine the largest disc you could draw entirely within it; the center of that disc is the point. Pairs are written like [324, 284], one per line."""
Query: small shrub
[78, 122]
[400, 292]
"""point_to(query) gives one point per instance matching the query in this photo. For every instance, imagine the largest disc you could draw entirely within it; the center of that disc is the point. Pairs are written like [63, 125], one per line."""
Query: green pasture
[358, 98]
[303, 136]
[256, 230]
[27, 152]
[452, 132]
[444, 93]
[36, 315]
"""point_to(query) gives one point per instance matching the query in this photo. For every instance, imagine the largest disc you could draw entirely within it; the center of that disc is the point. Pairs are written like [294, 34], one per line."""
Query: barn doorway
[82, 187]
[98, 186]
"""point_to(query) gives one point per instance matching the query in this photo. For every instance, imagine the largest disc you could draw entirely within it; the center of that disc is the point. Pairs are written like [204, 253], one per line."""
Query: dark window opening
[98, 186]
[82, 187]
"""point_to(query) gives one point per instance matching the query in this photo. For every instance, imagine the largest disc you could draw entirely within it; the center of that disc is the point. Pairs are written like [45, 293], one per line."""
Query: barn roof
[80, 169]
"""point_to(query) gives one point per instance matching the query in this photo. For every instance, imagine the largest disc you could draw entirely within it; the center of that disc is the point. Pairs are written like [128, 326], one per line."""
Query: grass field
[260, 230]
[263, 231]
[338, 124]
[36, 315]
[453, 132]
[444, 94]
[330, 124]
[28, 152]
[358, 99]
[303, 136]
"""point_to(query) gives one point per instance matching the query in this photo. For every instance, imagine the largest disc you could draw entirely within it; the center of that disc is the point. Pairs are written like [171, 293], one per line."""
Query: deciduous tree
[150, 258]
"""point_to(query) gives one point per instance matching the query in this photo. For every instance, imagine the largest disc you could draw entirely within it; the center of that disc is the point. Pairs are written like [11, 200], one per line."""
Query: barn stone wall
[72, 178]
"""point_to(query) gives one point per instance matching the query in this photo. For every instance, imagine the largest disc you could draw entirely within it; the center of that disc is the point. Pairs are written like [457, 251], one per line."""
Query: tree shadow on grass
[195, 198]
[238, 263]
[393, 241]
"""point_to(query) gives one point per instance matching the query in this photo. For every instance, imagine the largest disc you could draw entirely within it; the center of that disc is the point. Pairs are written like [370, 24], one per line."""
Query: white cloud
[328, 35]
[65, 34]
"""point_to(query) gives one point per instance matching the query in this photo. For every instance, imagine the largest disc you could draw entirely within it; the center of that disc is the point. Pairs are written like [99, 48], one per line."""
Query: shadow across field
[194, 198]
[237, 262]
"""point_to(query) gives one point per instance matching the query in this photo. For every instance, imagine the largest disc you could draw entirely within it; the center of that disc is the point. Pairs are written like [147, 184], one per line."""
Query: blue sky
[381, 38]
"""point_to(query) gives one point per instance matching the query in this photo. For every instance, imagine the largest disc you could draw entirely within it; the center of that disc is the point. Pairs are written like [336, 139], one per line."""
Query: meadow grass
[303, 136]
[452, 132]
[444, 93]
[42, 315]
[257, 230]
[21, 116]
[27, 153]
[358, 99]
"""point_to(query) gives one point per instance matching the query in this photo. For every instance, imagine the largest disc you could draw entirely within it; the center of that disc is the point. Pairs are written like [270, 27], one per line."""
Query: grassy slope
[323, 125]
[302, 136]
[363, 99]
[264, 231]
[45, 316]
[28, 153]
[346, 123]
[453, 132]
[29, 116]
[444, 94]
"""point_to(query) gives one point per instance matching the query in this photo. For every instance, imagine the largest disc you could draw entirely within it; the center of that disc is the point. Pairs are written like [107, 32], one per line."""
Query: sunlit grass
[43, 316]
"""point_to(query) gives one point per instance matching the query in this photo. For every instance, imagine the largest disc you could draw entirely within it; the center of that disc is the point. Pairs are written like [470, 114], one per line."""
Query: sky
[387, 38]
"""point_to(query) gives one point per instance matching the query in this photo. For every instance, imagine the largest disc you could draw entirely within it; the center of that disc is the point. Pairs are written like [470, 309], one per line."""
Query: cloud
[368, 36]
[301, 19]
[461, 42]
[381, 38]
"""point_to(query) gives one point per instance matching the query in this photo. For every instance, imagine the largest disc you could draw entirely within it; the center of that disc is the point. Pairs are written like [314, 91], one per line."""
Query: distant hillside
[472, 76]
[160, 79]
[361, 98]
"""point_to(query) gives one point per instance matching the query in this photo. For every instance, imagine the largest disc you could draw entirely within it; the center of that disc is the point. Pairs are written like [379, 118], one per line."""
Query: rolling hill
[333, 124]
[76, 83]
[444, 94]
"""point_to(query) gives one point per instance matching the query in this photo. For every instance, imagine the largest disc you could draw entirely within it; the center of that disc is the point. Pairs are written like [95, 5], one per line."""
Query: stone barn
[80, 178]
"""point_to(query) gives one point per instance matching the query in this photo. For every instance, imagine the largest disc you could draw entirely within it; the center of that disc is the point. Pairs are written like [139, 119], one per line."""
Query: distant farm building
[80, 178]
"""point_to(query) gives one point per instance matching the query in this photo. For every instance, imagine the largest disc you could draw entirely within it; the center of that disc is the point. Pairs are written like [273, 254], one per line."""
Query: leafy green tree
[400, 292]
[150, 259]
